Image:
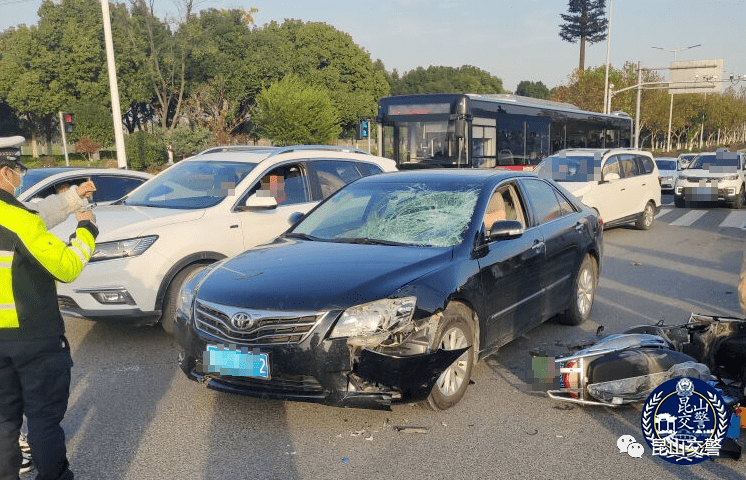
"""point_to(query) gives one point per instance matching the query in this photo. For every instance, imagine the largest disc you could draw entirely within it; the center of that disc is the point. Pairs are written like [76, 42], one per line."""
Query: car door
[605, 195]
[510, 271]
[289, 185]
[563, 230]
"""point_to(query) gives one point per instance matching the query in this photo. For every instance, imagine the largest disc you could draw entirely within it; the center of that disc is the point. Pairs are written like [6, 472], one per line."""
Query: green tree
[465, 79]
[291, 112]
[532, 89]
[585, 21]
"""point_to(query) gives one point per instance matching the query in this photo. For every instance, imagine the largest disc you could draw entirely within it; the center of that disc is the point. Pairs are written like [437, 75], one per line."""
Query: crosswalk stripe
[688, 218]
[663, 211]
[735, 220]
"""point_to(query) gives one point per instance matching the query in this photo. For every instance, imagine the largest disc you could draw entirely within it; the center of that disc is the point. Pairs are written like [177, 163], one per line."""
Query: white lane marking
[735, 219]
[688, 218]
[663, 211]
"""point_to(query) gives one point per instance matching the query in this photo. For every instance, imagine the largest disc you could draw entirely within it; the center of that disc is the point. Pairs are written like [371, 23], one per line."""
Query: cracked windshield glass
[403, 214]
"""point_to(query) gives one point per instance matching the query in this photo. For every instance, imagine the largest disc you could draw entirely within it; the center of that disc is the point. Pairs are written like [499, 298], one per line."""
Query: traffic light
[363, 129]
[69, 121]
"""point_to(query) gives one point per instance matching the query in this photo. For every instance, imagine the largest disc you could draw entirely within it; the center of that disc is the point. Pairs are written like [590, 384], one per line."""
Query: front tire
[646, 217]
[583, 293]
[679, 202]
[454, 333]
[739, 201]
[172, 295]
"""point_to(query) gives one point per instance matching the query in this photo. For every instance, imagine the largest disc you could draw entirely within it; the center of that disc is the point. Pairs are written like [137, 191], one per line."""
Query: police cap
[10, 152]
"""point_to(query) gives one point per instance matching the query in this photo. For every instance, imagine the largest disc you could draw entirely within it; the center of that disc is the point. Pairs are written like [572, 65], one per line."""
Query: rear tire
[583, 293]
[172, 295]
[646, 217]
[454, 333]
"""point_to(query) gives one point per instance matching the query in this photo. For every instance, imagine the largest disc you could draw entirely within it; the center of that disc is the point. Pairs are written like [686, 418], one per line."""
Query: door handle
[537, 246]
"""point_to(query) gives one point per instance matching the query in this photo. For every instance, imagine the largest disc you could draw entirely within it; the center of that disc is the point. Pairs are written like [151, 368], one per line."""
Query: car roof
[255, 154]
[602, 151]
[77, 171]
[465, 175]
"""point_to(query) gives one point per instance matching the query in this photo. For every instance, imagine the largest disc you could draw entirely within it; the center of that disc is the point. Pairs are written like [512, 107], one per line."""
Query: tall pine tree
[585, 21]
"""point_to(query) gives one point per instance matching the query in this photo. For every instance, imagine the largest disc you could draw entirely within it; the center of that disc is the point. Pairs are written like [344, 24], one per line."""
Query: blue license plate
[237, 362]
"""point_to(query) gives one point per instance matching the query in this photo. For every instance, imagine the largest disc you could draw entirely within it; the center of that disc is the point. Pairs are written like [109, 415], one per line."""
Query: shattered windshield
[429, 215]
[570, 168]
[192, 184]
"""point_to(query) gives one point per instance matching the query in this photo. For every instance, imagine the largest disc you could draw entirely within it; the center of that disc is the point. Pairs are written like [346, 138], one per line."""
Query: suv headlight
[731, 177]
[122, 248]
[375, 317]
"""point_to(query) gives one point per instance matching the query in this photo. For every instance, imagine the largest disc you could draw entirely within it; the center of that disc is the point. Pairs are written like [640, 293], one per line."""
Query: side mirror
[256, 202]
[504, 229]
[610, 177]
[460, 127]
[295, 217]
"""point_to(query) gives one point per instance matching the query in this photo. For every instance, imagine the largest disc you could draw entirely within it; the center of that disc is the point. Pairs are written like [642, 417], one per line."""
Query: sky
[514, 40]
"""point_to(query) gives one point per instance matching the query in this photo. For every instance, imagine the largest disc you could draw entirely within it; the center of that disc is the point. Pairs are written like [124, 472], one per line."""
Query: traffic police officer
[35, 357]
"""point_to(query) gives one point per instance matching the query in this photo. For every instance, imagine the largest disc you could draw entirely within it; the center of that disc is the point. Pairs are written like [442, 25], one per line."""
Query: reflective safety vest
[32, 260]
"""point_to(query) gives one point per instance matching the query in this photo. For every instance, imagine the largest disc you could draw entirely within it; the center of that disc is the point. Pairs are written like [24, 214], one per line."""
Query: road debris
[408, 429]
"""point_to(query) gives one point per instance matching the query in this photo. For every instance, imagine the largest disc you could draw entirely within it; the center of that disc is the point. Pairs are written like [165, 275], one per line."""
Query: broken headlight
[377, 317]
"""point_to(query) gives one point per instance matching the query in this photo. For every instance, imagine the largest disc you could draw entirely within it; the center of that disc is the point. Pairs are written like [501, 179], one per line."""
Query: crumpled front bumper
[321, 370]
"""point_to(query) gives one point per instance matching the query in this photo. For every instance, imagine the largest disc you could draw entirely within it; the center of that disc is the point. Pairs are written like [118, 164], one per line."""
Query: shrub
[144, 151]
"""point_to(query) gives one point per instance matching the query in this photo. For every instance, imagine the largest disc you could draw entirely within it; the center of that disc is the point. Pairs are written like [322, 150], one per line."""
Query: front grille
[279, 384]
[65, 302]
[269, 327]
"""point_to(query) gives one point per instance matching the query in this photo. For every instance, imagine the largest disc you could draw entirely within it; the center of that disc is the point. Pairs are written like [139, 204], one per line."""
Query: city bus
[489, 131]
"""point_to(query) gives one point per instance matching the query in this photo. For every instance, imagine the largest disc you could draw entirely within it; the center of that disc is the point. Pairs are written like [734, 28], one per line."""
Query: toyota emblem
[242, 321]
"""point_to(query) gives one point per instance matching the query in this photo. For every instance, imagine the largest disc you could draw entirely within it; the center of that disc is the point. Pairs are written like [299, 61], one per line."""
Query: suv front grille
[266, 327]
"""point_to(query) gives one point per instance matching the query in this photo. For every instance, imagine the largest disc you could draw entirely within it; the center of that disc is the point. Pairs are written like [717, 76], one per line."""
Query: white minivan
[201, 210]
[621, 184]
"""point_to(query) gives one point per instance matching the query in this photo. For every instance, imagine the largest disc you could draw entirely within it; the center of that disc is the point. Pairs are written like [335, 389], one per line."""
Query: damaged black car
[391, 289]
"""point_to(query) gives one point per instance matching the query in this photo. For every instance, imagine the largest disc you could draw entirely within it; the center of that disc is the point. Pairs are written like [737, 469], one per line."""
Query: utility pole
[607, 102]
[116, 111]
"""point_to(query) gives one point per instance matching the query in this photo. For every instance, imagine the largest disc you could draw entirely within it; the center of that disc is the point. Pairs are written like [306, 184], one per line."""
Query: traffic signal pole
[64, 140]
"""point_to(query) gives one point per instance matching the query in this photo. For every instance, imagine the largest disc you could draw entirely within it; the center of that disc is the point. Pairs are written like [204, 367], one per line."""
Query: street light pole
[607, 100]
[116, 111]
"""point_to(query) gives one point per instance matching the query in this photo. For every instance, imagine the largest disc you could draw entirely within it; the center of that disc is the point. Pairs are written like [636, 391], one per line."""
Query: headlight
[683, 177]
[122, 248]
[731, 177]
[375, 317]
[186, 299]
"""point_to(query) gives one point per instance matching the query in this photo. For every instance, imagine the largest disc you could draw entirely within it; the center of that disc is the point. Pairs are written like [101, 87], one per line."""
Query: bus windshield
[431, 143]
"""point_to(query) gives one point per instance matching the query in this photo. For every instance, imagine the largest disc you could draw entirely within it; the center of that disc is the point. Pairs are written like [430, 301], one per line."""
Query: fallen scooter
[625, 368]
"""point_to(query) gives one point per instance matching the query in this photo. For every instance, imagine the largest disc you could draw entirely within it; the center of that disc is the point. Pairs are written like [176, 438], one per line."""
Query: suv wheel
[679, 201]
[645, 220]
[739, 201]
[172, 295]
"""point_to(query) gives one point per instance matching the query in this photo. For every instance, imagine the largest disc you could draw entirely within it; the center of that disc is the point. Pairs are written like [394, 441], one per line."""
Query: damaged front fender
[413, 375]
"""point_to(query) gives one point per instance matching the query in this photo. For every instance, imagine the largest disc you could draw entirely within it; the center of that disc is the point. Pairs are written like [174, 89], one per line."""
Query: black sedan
[391, 289]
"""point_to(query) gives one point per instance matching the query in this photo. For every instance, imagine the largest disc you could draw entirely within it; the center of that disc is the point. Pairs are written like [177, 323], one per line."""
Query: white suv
[712, 177]
[204, 208]
[621, 184]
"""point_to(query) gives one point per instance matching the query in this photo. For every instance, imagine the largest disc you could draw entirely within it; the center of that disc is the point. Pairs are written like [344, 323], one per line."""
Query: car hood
[577, 188]
[117, 222]
[702, 173]
[291, 274]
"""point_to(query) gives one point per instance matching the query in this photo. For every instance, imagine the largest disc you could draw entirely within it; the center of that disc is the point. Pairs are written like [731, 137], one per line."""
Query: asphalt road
[133, 415]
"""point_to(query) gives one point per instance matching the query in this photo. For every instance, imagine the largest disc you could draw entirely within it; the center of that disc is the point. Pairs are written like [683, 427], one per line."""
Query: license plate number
[237, 362]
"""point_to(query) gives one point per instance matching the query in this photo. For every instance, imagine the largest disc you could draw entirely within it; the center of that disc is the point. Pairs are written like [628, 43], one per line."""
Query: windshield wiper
[303, 236]
[370, 241]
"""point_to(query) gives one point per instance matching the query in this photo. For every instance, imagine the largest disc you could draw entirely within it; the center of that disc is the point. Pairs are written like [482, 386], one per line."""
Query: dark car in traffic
[391, 289]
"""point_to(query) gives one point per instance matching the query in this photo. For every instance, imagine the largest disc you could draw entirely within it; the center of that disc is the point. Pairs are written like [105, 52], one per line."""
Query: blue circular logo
[684, 421]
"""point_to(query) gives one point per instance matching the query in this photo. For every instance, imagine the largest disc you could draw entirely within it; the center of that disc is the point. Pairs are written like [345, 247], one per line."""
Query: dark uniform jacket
[32, 260]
